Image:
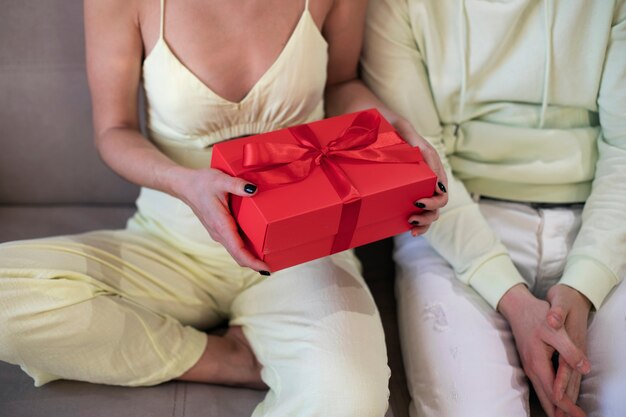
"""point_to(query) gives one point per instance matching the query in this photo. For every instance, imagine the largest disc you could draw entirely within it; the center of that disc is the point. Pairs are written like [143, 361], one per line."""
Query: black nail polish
[415, 223]
[442, 187]
[265, 273]
[249, 188]
[420, 205]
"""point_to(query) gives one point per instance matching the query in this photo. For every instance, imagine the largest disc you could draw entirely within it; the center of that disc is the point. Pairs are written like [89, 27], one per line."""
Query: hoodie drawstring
[548, 20]
[548, 16]
[463, 55]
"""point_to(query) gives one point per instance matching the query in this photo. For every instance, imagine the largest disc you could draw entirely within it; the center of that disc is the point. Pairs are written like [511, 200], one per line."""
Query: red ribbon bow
[273, 164]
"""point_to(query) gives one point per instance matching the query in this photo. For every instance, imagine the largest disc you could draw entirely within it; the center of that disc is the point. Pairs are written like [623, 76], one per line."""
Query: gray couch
[52, 182]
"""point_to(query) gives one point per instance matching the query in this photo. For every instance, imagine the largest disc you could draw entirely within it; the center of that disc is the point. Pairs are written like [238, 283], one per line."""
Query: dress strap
[306, 5]
[162, 23]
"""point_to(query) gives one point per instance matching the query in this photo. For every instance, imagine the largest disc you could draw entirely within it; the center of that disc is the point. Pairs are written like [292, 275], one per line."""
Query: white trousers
[460, 354]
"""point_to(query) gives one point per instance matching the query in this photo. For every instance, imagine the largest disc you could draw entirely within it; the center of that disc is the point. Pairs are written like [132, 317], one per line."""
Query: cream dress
[128, 307]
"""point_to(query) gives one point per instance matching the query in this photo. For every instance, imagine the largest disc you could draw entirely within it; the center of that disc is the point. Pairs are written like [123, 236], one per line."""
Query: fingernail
[415, 223]
[265, 273]
[249, 188]
[583, 367]
[555, 321]
[442, 187]
[419, 205]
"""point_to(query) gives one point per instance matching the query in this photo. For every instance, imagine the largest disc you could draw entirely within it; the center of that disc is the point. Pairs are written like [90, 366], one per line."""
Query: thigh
[519, 228]
[128, 264]
[603, 389]
[459, 353]
[316, 330]
[102, 307]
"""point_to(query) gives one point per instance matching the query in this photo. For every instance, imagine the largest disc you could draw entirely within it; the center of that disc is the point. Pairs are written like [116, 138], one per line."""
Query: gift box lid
[308, 210]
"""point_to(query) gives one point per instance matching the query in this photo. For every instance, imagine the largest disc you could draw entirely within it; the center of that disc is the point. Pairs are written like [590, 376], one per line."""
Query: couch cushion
[28, 222]
[18, 397]
[45, 113]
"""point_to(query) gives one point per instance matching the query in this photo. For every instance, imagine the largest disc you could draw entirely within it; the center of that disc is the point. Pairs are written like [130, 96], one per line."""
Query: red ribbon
[273, 164]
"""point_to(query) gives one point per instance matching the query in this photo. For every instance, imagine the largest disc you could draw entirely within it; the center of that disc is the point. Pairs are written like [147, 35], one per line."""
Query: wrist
[174, 180]
[400, 124]
[582, 298]
[567, 292]
[514, 300]
[406, 130]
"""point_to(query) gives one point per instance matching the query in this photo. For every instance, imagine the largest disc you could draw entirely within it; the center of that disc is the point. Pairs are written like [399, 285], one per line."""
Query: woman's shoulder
[129, 19]
[121, 9]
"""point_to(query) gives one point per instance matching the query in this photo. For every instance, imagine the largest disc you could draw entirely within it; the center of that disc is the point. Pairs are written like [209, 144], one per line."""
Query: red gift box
[324, 187]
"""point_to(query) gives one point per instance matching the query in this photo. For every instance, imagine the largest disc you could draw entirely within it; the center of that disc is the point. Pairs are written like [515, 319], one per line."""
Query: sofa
[52, 182]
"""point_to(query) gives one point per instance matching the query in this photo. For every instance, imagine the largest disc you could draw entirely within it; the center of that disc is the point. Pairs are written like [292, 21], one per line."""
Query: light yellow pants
[127, 308]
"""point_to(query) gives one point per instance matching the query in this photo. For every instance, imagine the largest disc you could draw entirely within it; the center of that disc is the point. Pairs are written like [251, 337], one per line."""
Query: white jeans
[460, 354]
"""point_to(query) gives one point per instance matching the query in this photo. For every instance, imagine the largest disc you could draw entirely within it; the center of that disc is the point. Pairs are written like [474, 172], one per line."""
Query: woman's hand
[430, 205]
[346, 93]
[206, 192]
[536, 342]
[569, 309]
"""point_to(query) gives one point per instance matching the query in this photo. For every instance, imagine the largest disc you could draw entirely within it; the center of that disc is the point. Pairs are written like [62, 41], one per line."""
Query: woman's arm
[114, 59]
[346, 93]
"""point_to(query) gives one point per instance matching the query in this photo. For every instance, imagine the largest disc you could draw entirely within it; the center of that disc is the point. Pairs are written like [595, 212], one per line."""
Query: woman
[128, 304]
[526, 101]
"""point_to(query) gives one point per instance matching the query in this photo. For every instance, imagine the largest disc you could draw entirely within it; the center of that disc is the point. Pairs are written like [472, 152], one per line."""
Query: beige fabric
[116, 307]
[185, 112]
[127, 307]
[185, 117]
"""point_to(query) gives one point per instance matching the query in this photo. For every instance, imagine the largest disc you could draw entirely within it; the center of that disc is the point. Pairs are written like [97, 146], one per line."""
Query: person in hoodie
[526, 103]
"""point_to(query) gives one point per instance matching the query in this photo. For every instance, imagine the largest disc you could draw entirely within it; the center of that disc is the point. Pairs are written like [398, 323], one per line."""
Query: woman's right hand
[430, 205]
[206, 192]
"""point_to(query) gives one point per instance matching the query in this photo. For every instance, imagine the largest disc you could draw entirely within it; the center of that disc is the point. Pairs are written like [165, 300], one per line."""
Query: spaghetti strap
[162, 23]
[306, 5]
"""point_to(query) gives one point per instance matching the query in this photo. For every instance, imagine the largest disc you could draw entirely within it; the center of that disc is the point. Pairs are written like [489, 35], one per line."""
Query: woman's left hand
[430, 205]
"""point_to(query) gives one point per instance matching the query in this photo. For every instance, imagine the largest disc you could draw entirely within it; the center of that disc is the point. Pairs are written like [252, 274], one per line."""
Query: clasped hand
[569, 309]
[540, 329]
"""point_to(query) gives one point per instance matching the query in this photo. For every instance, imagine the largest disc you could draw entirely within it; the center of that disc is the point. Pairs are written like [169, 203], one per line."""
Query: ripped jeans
[459, 353]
